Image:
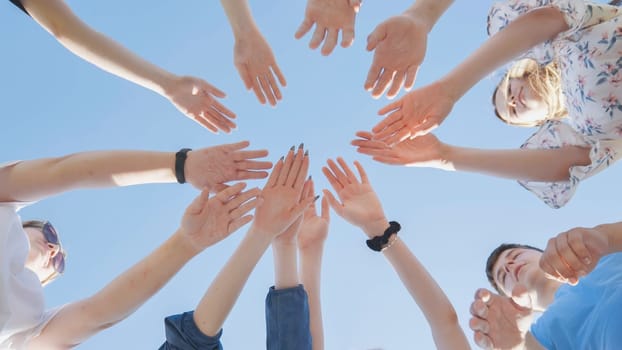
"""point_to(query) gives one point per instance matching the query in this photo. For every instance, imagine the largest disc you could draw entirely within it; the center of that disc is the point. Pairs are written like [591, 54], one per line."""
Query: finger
[296, 165]
[318, 37]
[484, 295]
[304, 204]
[198, 203]
[399, 136]
[250, 175]
[340, 175]
[482, 340]
[224, 195]
[479, 309]
[305, 26]
[389, 160]
[325, 208]
[556, 260]
[242, 197]
[411, 75]
[346, 169]
[375, 37]
[302, 173]
[393, 118]
[215, 118]
[356, 5]
[274, 87]
[569, 257]
[223, 110]
[347, 36]
[276, 70]
[398, 82]
[383, 83]
[287, 166]
[373, 75]
[210, 89]
[255, 86]
[236, 146]
[244, 208]
[218, 187]
[364, 135]
[308, 191]
[276, 173]
[477, 324]
[253, 165]
[371, 144]
[423, 128]
[390, 129]
[234, 225]
[362, 173]
[332, 35]
[205, 123]
[581, 252]
[391, 107]
[337, 186]
[337, 207]
[240, 156]
[267, 91]
[245, 75]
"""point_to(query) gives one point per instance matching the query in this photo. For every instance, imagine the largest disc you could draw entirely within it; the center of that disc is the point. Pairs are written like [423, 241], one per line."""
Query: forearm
[428, 11]
[285, 265]
[520, 35]
[434, 304]
[36, 179]
[58, 19]
[545, 165]
[311, 274]
[224, 291]
[240, 17]
[78, 321]
[614, 236]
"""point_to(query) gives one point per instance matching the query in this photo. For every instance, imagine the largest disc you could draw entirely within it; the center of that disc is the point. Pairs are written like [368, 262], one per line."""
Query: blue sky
[53, 104]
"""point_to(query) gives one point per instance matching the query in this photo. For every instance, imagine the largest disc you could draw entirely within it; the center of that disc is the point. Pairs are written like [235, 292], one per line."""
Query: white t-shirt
[22, 304]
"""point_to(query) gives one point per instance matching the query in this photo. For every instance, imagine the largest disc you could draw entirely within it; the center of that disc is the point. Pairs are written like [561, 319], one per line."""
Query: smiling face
[517, 103]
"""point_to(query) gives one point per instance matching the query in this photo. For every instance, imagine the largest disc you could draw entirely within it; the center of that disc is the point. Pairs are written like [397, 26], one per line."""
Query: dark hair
[494, 256]
[38, 224]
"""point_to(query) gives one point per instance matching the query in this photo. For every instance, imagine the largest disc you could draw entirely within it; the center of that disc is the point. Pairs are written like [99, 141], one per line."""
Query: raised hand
[358, 203]
[399, 46]
[573, 254]
[196, 99]
[314, 229]
[329, 17]
[212, 167]
[500, 322]
[209, 220]
[423, 151]
[282, 200]
[415, 114]
[257, 66]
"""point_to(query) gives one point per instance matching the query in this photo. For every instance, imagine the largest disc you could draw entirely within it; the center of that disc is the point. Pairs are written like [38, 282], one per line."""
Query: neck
[545, 294]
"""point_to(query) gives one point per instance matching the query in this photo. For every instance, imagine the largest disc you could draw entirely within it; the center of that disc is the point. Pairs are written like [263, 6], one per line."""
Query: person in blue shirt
[575, 284]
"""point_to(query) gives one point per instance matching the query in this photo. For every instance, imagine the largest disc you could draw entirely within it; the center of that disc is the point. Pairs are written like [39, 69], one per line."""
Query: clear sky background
[53, 103]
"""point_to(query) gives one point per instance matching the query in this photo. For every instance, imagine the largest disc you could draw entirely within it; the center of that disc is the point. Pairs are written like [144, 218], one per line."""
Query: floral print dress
[589, 55]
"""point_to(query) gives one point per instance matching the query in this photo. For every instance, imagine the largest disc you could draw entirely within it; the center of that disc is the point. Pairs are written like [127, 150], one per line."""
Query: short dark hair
[494, 256]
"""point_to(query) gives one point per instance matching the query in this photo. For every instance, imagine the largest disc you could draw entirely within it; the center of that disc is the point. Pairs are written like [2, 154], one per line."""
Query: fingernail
[292, 148]
[282, 157]
[587, 260]
[302, 144]
[316, 197]
[306, 152]
[309, 177]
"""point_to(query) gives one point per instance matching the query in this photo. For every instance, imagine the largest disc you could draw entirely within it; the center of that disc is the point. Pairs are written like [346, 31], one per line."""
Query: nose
[53, 249]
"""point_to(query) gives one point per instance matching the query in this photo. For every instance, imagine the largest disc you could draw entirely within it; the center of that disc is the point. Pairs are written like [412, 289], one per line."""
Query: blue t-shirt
[587, 316]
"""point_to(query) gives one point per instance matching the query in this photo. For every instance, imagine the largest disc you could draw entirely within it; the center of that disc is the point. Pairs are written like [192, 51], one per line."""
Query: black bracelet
[180, 162]
[378, 243]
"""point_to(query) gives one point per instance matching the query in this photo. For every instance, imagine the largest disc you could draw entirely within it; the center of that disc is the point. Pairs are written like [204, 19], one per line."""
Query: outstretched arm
[209, 167]
[192, 96]
[280, 204]
[253, 57]
[206, 222]
[545, 165]
[422, 110]
[399, 46]
[313, 233]
[359, 205]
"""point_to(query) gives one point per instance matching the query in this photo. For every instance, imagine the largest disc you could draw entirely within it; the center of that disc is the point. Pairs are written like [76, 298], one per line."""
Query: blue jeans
[287, 325]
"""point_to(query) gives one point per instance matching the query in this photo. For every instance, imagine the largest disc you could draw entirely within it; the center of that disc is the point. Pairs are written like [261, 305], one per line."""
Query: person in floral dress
[584, 39]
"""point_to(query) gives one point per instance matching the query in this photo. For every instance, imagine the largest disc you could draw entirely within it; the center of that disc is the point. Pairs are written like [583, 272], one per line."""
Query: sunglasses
[50, 235]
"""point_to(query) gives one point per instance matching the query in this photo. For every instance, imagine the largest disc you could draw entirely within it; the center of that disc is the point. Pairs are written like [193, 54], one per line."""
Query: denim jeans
[287, 325]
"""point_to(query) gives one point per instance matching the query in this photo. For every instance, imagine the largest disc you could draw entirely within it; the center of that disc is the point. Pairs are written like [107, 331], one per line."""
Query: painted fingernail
[302, 144]
[316, 197]
[282, 157]
[307, 153]
[292, 148]
[309, 177]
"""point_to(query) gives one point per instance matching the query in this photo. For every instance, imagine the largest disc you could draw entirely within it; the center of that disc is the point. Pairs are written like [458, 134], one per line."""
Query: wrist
[166, 83]
[375, 227]
[613, 233]
[184, 245]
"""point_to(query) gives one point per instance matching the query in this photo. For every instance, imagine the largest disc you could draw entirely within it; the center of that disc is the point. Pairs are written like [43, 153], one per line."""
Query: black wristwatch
[180, 163]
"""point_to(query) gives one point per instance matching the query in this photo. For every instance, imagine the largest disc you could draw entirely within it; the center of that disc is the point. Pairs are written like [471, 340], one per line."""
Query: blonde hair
[544, 80]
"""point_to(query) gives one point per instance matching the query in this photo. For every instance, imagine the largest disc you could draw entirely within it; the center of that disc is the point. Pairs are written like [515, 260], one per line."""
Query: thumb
[375, 37]
[521, 298]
